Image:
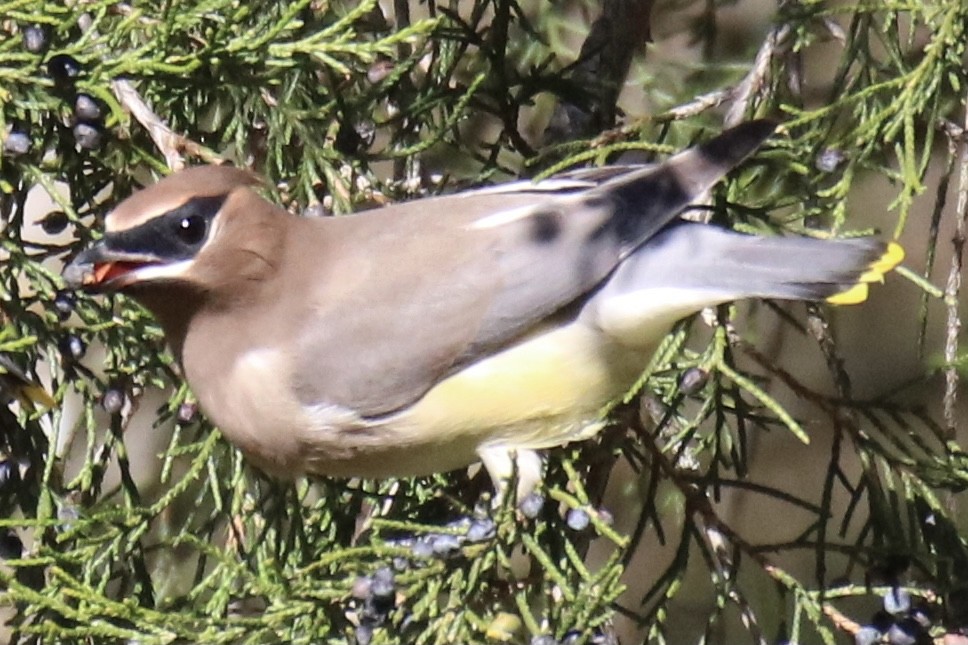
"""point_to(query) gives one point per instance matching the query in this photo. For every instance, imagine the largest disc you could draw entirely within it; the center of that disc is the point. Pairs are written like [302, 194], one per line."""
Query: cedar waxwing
[422, 336]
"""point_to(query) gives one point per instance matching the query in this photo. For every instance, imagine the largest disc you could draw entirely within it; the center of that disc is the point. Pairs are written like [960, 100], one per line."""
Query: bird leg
[506, 465]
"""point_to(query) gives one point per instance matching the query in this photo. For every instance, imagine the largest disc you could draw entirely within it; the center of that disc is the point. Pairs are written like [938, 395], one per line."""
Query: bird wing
[424, 288]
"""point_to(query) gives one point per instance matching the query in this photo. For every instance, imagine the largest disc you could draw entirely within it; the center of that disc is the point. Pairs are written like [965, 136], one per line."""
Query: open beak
[101, 268]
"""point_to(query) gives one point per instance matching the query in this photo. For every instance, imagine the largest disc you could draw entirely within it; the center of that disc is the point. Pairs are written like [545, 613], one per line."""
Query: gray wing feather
[437, 283]
[565, 247]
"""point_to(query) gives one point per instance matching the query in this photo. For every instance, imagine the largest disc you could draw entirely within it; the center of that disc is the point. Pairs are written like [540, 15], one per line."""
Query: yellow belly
[544, 391]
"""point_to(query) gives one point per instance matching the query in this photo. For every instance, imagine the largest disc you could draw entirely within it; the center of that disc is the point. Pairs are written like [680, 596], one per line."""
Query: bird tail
[690, 266]
[647, 199]
[15, 383]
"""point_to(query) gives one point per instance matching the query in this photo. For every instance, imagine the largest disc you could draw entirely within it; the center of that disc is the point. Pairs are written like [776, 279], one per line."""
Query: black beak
[80, 272]
[101, 268]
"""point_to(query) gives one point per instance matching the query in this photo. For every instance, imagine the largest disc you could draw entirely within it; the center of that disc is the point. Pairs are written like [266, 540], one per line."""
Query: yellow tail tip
[893, 255]
[854, 295]
[35, 394]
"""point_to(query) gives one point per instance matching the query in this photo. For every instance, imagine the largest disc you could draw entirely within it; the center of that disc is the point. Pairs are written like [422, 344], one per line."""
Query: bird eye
[191, 229]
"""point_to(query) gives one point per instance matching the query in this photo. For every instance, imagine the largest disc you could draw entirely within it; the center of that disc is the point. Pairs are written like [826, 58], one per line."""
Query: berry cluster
[377, 595]
[72, 347]
[900, 622]
[87, 114]
[449, 542]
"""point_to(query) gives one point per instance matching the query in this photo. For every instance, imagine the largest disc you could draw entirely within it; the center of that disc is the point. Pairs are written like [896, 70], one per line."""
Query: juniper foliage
[345, 105]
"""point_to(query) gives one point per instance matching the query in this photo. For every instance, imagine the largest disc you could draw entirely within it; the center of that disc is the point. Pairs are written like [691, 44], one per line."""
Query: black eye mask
[176, 235]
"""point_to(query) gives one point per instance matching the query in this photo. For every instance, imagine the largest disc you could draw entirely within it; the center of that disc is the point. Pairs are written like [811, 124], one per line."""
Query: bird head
[197, 228]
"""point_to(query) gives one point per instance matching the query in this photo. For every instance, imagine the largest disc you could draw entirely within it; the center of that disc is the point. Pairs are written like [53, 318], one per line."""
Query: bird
[427, 335]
